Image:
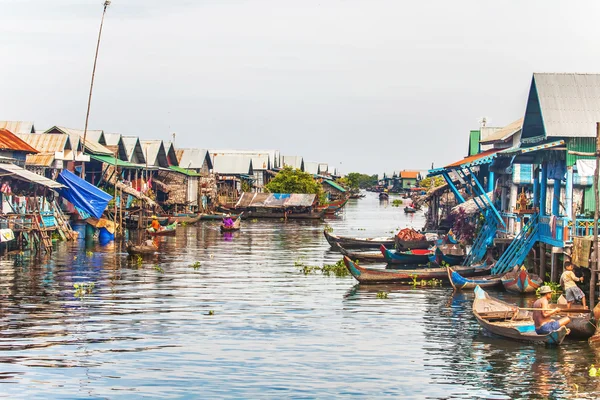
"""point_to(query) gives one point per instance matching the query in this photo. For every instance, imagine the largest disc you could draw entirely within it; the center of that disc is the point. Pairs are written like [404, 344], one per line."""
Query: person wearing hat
[541, 316]
[228, 221]
[155, 224]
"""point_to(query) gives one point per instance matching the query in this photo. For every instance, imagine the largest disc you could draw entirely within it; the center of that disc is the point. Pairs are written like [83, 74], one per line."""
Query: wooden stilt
[543, 261]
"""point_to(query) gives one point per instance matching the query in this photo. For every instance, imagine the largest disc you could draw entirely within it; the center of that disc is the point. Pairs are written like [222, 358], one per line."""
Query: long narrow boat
[508, 321]
[417, 256]
[334, 206]
[383, 196]
[441, 258]
[459, 282]
[412, 244]
[237, 225]
[362, 256]
[185, 218]
[358, 243]
[582, 321]
[521, 281]
[372, 276]
[168, 231]
[280, 214]
[139, 250]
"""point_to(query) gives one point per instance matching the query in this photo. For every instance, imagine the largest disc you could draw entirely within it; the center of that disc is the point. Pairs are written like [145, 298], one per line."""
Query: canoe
[334, 206]
[409, 210]
[383, 196]
[412, 244]
[440, 258]
[237, 225]
[521, 281]
[506, 320]
[279, 214]
[358, 243]
[169, 230]
[582, 321]
[372, 276]
[140, 249]
[357, 196]
[365, 257]
[459, 282]
[417, 256]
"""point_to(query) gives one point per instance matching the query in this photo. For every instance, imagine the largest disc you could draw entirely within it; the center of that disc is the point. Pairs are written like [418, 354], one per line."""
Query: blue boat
[440, 258]
[459, 282]
[416, 256]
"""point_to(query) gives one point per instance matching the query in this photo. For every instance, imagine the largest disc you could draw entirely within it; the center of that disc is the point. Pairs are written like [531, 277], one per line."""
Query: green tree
[290, 180]
[357, 180]
[437, 181]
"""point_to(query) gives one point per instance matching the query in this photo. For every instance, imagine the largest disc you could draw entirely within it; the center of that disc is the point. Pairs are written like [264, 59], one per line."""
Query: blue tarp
[83, 194]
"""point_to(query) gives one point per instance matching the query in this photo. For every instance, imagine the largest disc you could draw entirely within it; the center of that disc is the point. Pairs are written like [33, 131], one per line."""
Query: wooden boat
[521, 281]
[140, 249]
[508, 321]
[216, 217]
[582, 322]
[384, 196]
[441, 258]
[281, 214]
[358, 243]
[417, 256]
[371, 276]
[365, 257]
[357, 196]
[237, 225]
[187, 219]
[459, 282]
[168, 231]
[334, 206]
[409, 210]
[403, 245]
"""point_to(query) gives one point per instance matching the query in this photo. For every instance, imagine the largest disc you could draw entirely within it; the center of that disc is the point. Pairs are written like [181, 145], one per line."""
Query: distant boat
[167, 231]
[409, 210]
[384, 196]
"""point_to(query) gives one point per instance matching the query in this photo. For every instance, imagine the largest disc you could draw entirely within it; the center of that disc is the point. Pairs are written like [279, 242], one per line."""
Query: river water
[247, 323]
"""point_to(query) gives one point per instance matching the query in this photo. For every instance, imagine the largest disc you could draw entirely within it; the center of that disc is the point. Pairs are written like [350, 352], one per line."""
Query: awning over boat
[275, 200]
[83, 194]
[17, 172]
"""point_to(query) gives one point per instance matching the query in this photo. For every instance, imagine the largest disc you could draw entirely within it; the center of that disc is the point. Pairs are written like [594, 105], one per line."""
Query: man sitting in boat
[228, 221]
[155, 224]
[572, 291]
[541, 316]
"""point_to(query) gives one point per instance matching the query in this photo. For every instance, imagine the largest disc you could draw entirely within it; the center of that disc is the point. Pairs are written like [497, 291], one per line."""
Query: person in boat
[572, 291]
[155, 224]
[228, 221]
[541, 316]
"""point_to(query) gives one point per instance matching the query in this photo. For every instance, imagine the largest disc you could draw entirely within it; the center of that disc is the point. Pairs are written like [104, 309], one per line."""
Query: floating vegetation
[396, 203]
[382, 295]
[83, 288]
[556, 290]
[159, 269]
[139, 259]
[254, 220]
[196, 265]
[89, 253]
[328, 228]
[338, 269]
[424, 282]
[593, 372]
[183, 224]
[211, 312]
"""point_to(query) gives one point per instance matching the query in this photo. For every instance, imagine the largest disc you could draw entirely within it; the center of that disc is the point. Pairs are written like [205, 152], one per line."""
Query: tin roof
[18, 126]
[28, 176]
[92, 138]
[311, 167]
[133, 148]
[39, 160]
[193, 158]
[111, 139]
[335, 185]
[504, 133]
[232, 164]
[47, 143]
[155, 153]
[10, 141]
[292, 161]
[261, 159]
[483, 157]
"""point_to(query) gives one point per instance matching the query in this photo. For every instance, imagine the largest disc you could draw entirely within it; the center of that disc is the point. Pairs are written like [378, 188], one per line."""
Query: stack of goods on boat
[409, 238]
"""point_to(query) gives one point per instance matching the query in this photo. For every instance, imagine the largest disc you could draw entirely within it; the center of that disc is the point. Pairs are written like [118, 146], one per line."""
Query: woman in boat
[227, 221]
[572, 291]
[541, 316]
[155, 224]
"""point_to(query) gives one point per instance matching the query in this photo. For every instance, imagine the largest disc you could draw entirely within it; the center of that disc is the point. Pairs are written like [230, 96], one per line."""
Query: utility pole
[87, 115]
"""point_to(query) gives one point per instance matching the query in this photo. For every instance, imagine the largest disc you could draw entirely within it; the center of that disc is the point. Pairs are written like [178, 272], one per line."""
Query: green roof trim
[187, 172]
[335, 185]
[112, 161]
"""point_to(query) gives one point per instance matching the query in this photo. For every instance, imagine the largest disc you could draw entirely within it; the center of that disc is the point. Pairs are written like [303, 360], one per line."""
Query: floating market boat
[384, 196]
[334, 206]
[417, 256]
[521, 281]
[167, 231]
[358, 243]
[409, 210]
[459, 282]
[371, 275]
[506, 320]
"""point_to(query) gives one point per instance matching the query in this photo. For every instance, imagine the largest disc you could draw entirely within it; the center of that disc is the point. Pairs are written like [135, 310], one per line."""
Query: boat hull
[521, 282]
[357, 243]
[459, 282]
[403, 245]
[408, 257]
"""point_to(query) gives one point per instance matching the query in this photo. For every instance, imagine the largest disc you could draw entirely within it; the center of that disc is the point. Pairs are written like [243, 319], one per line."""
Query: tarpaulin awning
[275, 200]
[83, 194]
[17, 172]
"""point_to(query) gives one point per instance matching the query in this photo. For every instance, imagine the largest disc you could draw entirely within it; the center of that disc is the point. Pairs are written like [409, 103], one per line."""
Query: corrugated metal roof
[171, 153]
[185, 171]
[17, 127]
[133, 148]
[261, 159]
[28, 176]
[504, 133]
[47, 143]
[292, 161]
[112, 139]
[323, 168]
[335, 185]
[92, 138]
[193, 158]
[276, 200]
[232, 164]
[39, 160]
[10, 141]
[569, 104]
[311, 167]
[155, 153]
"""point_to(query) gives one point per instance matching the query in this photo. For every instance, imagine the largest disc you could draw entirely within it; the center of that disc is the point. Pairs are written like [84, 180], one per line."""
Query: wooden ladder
[45, 240]
[63, 226]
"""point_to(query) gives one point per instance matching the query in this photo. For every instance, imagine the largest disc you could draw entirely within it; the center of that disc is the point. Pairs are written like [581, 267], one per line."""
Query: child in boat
[541, 316]
[228, 221]
[572, 291]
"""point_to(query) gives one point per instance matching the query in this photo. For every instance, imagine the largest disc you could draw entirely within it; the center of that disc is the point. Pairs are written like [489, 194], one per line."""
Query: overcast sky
[368, 86]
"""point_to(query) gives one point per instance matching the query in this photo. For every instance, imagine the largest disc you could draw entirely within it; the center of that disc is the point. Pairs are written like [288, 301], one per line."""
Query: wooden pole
[592, 296]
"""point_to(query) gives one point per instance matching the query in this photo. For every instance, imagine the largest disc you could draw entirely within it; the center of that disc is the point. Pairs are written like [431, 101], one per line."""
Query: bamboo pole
[594, 268]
